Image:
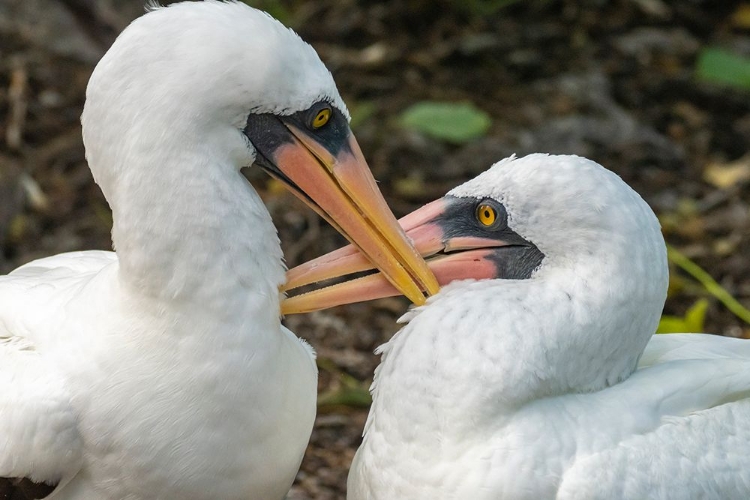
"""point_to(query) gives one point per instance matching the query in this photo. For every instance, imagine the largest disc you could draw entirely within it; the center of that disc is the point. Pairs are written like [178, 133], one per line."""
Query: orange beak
[335, 181]
[455, 257]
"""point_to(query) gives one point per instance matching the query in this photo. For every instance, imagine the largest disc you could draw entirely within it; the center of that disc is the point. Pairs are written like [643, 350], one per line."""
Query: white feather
[531, 389]
[162, 371]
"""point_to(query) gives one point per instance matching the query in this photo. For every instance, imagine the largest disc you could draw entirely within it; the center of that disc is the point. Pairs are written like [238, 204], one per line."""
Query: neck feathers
[185, 229]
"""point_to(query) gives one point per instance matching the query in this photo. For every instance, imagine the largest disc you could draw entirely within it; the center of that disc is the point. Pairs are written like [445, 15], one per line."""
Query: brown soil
[610, 80]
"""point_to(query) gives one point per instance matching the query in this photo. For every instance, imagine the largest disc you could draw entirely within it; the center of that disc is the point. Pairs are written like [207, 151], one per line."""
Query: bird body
[162, 371]
[673, 430]
[549, 385]
[85, 371]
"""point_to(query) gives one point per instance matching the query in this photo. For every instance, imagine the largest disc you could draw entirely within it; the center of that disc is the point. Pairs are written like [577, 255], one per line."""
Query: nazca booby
[162, 371]
[541, 377]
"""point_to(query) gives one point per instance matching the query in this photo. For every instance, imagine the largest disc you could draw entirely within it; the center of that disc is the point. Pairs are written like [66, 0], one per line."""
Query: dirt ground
[611, 80]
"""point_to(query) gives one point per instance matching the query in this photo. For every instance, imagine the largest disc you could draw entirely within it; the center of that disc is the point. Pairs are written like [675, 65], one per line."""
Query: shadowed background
[657, 91]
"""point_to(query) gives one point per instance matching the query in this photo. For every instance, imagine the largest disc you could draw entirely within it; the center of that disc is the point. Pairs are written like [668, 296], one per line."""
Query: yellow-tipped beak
[453, 255]
[344, 193]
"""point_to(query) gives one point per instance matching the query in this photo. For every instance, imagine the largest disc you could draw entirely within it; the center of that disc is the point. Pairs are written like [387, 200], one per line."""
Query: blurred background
[439, 90]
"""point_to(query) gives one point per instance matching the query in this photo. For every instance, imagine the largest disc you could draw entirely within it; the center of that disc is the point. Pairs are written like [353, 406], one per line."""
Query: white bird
[162, 371]
[543, 379]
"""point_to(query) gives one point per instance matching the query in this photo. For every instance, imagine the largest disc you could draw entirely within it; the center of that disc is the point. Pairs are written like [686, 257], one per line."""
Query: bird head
[234, 86]
[524, 218]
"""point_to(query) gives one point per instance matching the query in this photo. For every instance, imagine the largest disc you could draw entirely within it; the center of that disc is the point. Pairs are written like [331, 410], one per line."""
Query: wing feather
[39, 438]
[688, 405]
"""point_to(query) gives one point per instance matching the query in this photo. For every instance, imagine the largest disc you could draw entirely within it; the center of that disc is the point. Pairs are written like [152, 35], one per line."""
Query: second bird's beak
[329, 173]
[473, 258]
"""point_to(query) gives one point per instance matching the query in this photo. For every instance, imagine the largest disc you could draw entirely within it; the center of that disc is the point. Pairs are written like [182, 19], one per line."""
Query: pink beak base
[348, 260]
[470, 261]
[345, 191]
[472, 264]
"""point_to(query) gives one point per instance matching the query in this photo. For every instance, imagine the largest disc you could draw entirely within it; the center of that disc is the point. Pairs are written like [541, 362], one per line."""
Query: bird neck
[480, 351]
[187, 230]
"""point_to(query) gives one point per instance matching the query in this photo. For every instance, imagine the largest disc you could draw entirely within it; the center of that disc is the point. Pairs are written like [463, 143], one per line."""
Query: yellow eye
[486, 214]
[321, 118]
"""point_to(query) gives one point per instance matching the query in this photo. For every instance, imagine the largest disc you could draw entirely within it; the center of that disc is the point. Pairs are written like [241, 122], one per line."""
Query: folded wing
[682, 421]
[40, 445]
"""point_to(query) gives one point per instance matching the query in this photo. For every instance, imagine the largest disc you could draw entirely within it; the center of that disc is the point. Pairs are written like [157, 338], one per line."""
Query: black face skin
[516, 259]
[267, 132]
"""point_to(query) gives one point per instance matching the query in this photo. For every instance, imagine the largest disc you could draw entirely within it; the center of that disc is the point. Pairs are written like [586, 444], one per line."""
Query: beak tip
[433, 287]
[419, 301]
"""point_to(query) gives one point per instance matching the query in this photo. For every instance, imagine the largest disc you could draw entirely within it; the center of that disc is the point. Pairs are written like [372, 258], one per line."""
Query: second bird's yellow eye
[321, 118]
[486, 214]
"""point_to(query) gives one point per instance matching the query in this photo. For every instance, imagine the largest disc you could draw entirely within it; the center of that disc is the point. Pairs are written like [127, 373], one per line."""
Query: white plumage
[533, 388]
[162, 371]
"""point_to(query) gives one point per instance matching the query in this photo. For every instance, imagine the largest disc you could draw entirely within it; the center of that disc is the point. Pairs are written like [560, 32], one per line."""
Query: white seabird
[162, 371]
[541, 378]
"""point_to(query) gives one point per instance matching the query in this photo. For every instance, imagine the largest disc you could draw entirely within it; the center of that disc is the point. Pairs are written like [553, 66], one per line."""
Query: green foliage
[711, 286]
[361, 111]
[457, 123]
[274, 7]
[348, 392]
[721, 66]
[692, 322]
[351, 393]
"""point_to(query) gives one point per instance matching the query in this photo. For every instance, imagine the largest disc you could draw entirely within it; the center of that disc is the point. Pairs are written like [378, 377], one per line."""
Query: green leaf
[273, 7]
[351, 392]
[452, 122]
[692, 322]
[710, 284]
[361, 111]
[721, 66]
[353, 397]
